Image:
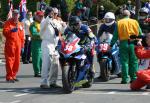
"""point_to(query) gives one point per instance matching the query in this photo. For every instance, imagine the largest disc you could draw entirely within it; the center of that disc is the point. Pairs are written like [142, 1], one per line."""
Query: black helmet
[48, 10]
[74, 23]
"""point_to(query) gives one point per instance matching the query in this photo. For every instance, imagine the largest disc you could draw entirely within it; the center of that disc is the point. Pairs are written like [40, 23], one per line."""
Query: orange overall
[14, 43]
[143, 76]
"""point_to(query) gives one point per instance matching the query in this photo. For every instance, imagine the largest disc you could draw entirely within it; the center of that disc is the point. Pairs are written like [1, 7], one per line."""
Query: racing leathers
[87, 39]
[103, 31]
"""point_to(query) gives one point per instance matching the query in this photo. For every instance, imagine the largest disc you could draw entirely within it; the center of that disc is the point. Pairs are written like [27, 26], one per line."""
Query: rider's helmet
[109, 18]
[74, 23]
[143, 13]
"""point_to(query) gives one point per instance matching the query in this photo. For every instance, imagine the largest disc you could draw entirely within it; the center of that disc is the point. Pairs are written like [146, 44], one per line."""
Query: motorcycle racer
[87, 38]
[107, 27]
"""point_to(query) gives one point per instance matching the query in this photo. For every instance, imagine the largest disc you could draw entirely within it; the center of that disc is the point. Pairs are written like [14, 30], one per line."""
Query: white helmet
[144, 10]
[109, 15]
[109, 18]
[143, 13]
[55, 10]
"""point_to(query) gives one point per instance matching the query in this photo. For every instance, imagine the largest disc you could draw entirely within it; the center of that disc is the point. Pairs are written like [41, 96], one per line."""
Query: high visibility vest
[127, 27]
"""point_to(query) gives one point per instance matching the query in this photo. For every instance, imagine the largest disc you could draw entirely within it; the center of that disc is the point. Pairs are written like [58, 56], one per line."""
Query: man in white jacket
[50, 57]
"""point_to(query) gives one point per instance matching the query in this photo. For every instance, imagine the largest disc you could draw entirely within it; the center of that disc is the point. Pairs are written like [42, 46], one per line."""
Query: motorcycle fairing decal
[82, 56]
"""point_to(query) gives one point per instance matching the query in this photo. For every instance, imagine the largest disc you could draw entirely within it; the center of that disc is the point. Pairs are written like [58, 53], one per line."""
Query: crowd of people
[37, 36]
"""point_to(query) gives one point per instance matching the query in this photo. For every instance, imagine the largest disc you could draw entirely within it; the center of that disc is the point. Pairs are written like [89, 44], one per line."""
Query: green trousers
[129, 61]
[36, 56]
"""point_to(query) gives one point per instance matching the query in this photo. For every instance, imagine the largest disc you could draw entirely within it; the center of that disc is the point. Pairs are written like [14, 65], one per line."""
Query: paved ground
[28, 91]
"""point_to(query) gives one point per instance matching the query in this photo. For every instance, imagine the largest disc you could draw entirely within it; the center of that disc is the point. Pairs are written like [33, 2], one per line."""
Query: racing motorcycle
[74, 64]
[108, 59]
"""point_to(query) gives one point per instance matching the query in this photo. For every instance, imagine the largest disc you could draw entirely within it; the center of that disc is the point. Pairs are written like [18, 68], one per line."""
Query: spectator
[27, 50]
[41, 5]
[14, 34]
[101, 12]
[58, 21]
[50, 57]
[88, 4]
[129, 6]
[36, 43]
[143, 20]
[79, 8]
[147, 5]
[125, 28]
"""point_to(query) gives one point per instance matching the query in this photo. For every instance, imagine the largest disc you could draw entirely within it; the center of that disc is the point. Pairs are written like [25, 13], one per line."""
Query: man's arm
[6, 29]
[115, 37]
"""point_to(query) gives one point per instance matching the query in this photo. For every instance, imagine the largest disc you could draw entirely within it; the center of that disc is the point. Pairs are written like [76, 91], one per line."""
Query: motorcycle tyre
[105, 72]
[67, 86]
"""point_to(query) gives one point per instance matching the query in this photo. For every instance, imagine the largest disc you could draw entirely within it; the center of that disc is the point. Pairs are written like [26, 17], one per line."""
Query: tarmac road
[27, 90]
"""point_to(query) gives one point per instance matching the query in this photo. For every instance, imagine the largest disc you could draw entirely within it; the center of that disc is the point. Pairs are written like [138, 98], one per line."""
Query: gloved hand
[92, 43]
[14, 30]
[97, 49]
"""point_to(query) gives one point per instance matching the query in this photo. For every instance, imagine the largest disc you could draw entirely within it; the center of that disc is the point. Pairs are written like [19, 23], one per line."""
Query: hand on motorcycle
[109, 48]
[139, 43]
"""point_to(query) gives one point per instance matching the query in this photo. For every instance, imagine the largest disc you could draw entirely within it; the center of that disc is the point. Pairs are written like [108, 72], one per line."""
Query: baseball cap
[39, 13]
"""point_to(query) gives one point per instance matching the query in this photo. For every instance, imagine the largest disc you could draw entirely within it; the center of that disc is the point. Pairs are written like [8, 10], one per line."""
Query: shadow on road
[34, 90]
[110, 90]
[101, 81]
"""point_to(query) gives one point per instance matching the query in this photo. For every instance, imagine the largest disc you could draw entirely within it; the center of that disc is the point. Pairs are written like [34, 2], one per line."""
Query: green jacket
[35, 31]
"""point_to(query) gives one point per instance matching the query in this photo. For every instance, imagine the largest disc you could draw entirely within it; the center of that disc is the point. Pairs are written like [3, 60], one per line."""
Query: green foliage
[31, 5]
[118, 2]
[108, 5]
[4, 10]
[55, 3]
[70, 5]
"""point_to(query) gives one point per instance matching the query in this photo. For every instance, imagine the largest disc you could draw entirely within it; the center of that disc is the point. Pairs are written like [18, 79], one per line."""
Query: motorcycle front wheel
[68, 78]
[104, 69]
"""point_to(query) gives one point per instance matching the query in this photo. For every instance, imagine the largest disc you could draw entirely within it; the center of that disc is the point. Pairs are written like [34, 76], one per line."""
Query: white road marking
[113, 93]
[19, 95]
[17, 101]
[6, 91]
[146, 93]
[25, 90]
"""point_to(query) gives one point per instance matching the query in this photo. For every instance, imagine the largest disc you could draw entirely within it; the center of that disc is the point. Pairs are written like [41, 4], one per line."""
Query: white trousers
[50, 63]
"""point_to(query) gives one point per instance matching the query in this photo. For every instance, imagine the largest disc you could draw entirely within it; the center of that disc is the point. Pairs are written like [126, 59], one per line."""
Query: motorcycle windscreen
[106, 37]
[71, 37]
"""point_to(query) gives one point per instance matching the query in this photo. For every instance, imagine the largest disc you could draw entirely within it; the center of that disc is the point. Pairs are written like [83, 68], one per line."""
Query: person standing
[58, 21]
[50, 57]
[14, 34]
[41, 5]
[88, 4]
[124, 29]
[27, 48]
[36, 43]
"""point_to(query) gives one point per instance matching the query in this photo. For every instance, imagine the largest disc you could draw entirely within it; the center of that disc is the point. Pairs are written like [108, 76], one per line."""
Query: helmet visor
[108, 20]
